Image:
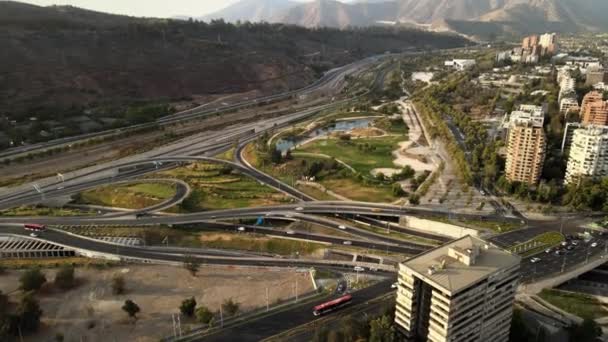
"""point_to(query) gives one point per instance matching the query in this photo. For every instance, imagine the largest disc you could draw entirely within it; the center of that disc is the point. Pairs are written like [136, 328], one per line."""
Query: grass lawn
[228, 155]
[577, 304]
[44, 211]
[54, 262]
[214, 187]
[135, 196]
[363, 155]
[354, 190]
[258, 243]
[345, 185]
[316, 193]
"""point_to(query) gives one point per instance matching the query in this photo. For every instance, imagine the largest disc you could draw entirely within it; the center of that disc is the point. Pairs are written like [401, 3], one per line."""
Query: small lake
[284, 144]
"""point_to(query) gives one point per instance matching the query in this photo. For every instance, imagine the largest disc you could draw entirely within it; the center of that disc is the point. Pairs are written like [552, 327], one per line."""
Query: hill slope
[62, 59]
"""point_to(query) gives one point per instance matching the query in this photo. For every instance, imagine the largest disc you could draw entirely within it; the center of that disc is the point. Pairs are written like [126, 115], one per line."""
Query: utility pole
[221, 317]
[174, 325]
[267, 304]
[296, 290]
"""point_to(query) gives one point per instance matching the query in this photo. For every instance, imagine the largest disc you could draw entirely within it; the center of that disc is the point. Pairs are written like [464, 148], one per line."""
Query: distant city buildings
[532, 49]
[526, 145]
[596, 76]
[588, 157]
[594, 110]
[569, 105]
[583, 63]
[460, 64]
[462, 291]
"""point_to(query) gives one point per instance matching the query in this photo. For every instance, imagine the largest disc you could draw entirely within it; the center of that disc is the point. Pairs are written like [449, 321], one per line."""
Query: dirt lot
[90, 312]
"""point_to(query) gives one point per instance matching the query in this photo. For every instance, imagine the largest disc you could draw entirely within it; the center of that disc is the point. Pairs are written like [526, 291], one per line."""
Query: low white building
[461, 64]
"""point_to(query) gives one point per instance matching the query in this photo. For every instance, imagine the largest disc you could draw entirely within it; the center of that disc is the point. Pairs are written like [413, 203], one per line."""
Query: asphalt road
[552, 264]
[297, 315]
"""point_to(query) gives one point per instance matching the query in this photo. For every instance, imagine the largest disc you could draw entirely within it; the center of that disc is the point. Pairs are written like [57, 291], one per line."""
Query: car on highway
[574, 242]
[290, 232]
[594, 244]
[299, 209]
[241, 229]
[358, 269]
[569, 248]
[34, 235]
[342, 227]
[564, 243]
[348, 243]
[535, 260]
[548, 250]
[559, 252]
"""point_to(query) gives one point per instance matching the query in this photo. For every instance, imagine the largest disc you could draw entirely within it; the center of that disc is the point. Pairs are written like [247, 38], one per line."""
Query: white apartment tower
[460, 292]
[588, 154]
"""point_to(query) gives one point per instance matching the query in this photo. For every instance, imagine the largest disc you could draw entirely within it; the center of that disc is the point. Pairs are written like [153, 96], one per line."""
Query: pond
[284, 144]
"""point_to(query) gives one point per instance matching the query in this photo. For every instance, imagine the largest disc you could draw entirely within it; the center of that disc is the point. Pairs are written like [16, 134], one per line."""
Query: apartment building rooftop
[461, 263]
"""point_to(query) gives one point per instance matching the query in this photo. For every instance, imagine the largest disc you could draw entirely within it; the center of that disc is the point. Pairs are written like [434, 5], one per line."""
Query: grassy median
[581, 305]
[136, 196]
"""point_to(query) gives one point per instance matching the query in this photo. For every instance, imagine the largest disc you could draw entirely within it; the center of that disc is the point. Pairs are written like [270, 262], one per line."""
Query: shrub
[32, 280]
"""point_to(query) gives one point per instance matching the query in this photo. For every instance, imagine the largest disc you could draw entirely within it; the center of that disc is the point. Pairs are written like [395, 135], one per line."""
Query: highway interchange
[203, 147]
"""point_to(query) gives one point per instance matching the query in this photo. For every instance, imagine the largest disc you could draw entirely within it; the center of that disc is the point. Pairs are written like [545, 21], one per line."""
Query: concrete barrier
[435, 227]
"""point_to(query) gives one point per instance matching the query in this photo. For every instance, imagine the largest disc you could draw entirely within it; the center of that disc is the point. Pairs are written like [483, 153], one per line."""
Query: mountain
[519, 16]
[251, 10]
[331, 13]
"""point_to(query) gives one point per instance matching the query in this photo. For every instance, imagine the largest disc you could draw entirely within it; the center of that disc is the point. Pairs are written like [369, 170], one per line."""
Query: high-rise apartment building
[588, 154]
[595, 76]
[460, 292]
[526, 145]
[594, 110]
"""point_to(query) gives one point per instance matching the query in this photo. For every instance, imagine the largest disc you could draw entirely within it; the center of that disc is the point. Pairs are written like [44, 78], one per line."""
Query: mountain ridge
[573, 14]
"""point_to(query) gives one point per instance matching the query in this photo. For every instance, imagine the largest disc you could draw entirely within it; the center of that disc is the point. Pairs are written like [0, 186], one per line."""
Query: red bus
[331, 305]
[35, 227]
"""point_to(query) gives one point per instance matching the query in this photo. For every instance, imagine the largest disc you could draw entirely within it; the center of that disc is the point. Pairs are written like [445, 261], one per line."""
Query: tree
[381, 330]
[29, 313]
[230, 308]
[276, 156]
[188, 306]
[204, 315]
[64, 279]
[414, 199]
[192, 264]
[32, 280]
[130, 308]
[118, 285]
[588, 331]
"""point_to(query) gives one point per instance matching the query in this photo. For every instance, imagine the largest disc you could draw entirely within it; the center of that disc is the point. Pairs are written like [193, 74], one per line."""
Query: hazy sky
[148, 8]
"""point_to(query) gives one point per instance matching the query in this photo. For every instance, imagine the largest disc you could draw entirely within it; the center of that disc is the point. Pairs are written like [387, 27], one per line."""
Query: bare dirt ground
[90, 312]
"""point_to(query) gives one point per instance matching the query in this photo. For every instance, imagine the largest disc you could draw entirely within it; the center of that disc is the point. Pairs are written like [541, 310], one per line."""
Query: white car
[241, 229]
[290, 232]
[394, 285]
[534, 260]
[342, 227]
[34, 235]
[359, 269]
[348, 243]
[299, 209]
[594, 244]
